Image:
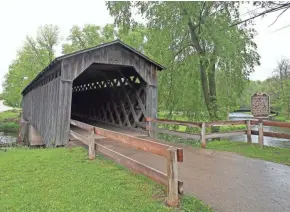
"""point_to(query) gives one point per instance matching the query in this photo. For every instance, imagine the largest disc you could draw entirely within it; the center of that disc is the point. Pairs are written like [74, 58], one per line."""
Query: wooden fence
[203, 135]
[173, 155]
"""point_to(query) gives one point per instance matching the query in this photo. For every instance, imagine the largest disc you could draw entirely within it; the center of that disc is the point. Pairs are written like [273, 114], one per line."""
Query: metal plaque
[260, 105]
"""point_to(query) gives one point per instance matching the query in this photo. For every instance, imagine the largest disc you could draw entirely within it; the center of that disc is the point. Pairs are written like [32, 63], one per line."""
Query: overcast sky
[19, 18]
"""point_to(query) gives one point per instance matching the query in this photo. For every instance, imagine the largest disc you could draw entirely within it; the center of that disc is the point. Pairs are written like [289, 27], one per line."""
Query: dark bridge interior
[110, 94]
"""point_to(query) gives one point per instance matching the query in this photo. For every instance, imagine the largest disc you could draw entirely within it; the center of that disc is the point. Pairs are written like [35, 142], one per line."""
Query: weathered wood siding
[115, 54]
[40, 107]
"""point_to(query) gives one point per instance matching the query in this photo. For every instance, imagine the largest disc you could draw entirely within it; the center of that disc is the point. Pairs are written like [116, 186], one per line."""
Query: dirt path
[225, 181]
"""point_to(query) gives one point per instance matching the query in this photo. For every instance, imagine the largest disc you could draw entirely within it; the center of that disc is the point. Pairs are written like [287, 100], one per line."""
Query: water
[268, 141]
[6, 137]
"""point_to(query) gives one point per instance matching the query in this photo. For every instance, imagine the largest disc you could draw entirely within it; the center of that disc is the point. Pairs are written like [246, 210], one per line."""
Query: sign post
[260, 105]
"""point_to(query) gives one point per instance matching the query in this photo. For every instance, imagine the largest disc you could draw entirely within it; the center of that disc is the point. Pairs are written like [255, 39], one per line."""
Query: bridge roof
[59, 59]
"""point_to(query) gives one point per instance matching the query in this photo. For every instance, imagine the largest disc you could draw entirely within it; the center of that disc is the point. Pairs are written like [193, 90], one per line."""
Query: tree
[32, 58]
[281, 77]
[86, 37]
[93, 35]
[195, 40]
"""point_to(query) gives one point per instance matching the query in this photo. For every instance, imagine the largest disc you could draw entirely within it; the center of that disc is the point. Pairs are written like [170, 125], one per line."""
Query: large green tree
[92, 35]
[35, 54]
[202, 48]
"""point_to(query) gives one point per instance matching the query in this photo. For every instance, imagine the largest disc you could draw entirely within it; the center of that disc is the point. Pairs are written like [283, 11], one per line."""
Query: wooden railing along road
[203, 136]
[173, 155]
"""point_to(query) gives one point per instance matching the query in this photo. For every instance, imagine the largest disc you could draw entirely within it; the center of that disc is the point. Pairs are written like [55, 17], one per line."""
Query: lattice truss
[119, 101]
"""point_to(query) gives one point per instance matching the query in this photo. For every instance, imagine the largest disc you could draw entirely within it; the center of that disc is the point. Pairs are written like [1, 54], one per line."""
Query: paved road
[3, 107]
[225, 181]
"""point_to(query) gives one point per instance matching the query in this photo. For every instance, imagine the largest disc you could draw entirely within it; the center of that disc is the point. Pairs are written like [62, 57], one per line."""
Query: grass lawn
[9, 120]
[64, 180]
[273, 154]
[281, 118]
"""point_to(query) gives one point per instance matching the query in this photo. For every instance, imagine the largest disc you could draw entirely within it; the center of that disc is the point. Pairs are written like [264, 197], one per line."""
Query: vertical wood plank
[261, 133]
[249, 136]
[202, 135]
[92, 151]
[172, 175]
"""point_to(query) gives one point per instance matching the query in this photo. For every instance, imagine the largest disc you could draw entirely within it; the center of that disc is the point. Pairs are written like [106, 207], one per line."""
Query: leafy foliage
[92, 35]
[200, 49]
[277, 87]
[33, 57]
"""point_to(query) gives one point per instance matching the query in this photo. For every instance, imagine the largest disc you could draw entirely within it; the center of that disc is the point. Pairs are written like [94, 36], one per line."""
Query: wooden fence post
[172, 176]
[92, 151]
[202, 135]
[149, 126]
[249, 135]
[261, 133]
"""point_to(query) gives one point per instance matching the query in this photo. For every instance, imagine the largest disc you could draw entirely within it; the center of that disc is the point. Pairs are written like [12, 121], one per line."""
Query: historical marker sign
[260, 105]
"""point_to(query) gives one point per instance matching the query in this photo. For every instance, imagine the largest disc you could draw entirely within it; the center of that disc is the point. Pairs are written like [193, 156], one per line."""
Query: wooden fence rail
[203, 135]
[173, 155]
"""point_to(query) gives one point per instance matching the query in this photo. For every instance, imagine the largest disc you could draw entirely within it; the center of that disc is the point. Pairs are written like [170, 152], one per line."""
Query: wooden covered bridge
[110, 84]
[100, 96]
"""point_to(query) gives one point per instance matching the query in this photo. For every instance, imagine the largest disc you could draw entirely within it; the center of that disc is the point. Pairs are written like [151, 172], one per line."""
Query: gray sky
[19, 18]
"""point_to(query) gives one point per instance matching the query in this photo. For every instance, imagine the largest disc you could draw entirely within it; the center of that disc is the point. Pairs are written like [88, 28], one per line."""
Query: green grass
[9, 120]
[281, 118]
[273, 154]
[64, 180]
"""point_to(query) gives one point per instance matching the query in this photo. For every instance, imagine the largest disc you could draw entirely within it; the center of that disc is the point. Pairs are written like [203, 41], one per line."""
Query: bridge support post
[24, 132]
[172, 176]
[249, 135]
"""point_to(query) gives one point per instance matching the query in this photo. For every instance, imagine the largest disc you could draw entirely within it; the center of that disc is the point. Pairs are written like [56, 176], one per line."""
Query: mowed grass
[64, 180]
[273, 154]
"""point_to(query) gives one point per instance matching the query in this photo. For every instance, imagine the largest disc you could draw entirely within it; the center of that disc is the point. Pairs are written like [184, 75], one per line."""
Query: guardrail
[203, 135]
[173, 155]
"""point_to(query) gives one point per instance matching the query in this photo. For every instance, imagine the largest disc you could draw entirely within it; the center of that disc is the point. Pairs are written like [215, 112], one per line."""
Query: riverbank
[9, 120]
[63, 179]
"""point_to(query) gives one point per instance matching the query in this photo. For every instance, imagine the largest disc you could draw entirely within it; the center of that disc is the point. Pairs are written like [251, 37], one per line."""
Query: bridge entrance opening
[110, 94]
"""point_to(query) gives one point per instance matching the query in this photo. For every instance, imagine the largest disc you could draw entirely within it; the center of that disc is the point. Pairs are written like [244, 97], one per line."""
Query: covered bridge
[112, 83]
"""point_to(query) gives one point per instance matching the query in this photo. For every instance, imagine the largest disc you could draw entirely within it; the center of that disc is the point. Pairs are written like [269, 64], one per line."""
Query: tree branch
[279, 16]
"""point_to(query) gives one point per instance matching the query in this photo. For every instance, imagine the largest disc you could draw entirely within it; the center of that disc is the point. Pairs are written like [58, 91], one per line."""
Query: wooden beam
[132, 164]
[172, 175]
[138, 143]
[272, 134]
[176, 133]
[225, 134]
[222, 123]
[272, 123]
[136, 166]
[79, 137]
[92, 152]
[167, 121]
[82, 138]
[82, 125]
